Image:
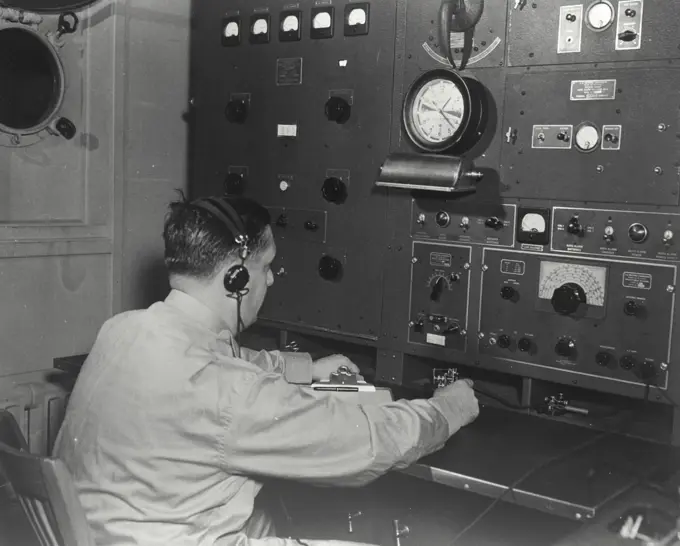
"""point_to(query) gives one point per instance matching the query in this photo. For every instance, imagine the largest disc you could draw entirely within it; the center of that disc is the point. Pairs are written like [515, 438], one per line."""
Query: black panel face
[422, 36]
[592, 136]
[592, 31]
[310, 281]
[485, 224]
[440, 292]
[315, 132]
[620, 233]
[599, 318]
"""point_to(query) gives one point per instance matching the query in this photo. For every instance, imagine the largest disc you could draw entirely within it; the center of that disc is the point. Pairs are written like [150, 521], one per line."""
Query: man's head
[200, 249]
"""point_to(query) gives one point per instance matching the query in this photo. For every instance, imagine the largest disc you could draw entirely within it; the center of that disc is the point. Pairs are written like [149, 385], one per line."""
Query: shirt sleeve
[280, 430]
[295, 367]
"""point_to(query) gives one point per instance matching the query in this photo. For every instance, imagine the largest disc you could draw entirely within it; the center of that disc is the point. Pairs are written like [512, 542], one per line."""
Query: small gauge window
[290, 23]
[533, 223]
[322, 20]
[260, 27]
[587, 137]
[438, 110]
[231, 30]
[357, 17]
[600, 15]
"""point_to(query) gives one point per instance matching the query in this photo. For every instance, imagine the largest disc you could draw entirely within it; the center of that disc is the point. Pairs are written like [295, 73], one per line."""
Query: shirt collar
[195, 310]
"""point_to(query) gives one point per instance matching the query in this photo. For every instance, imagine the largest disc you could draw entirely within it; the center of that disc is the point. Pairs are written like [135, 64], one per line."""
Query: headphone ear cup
[236, 279]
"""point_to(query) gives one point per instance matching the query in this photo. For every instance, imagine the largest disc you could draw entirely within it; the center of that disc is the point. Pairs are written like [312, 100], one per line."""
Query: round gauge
[322, 20]
[587, 137]
[585, 279]
[600, 15]
[290, 23]
[441, 110]
[533, 223]
[260, 27]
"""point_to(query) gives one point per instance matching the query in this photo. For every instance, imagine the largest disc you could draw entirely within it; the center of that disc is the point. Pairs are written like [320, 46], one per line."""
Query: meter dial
[533, 223]
[260, 27]
[440, 110]
[586, 279]
[322, 20]
[290, 23]
[600, 15]
[587, 137]
[231, 29]
[356, 17]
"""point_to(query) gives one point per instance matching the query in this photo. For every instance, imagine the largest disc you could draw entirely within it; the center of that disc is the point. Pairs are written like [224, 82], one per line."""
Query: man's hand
[324, 367]
[463, 397]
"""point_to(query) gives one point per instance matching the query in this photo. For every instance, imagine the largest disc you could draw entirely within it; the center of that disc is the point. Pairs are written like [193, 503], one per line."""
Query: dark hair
[197, 243]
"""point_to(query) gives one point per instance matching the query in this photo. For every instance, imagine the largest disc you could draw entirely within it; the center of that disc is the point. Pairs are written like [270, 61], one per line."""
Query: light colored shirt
[167, 431]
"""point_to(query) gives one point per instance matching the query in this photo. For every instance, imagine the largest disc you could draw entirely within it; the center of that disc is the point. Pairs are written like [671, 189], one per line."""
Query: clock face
[437, 111]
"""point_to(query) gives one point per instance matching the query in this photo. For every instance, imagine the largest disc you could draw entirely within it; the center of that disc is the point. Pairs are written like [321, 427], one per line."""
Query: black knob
[66, 128]
[338, 110]
[567, 298]
[334, 190]
[524, 345]
[494, 222]
[563, 136]
[504, 341]
[574, 227]
[234, 184]
[631, 308]
[627, 362]
[565, 347]
[237, 111]
[571, 17]
[330, 269]
[442, 218]
[611, 138]
[603, 359]
[437, 289]
[630, 12]
[67, 23]
[311, 226]
[508, 292]
[638, 233]
[627, 35]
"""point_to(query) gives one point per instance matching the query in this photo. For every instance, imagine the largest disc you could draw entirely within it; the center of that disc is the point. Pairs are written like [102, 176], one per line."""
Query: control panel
[580, 136]
[610, 319]
[629, 234]
[492, 225]
[591, 31]
[440, 292]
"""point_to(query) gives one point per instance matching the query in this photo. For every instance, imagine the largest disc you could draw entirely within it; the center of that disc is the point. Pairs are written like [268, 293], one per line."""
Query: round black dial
[330, 268]
[237, 111]
[338, 110]
[334, 190]
[567, 298]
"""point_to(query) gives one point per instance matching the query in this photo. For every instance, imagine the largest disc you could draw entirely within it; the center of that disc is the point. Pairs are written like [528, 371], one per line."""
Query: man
[168, 430]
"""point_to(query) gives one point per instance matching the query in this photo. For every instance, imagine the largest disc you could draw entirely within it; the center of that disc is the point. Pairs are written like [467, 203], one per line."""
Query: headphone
[237, 277]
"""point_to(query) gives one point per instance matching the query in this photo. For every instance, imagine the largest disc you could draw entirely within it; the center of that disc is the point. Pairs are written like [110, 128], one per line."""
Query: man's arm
[295, 367]
[280, 430]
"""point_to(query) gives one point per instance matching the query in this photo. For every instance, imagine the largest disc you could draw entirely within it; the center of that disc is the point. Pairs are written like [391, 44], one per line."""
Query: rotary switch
[574, 226]
[437, 289]
[234, 184]
[338, 110]
[637, 233]
[334, 190]
[330, 268]
[565, 347]
[504, 341]
[627, 362]
[632, 308]
[568, 298]
[494, 223]
[508, 293]
[442, 219]
[237, 111]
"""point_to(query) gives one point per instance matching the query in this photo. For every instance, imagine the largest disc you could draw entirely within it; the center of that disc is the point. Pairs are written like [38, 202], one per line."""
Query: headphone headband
[226, 214]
